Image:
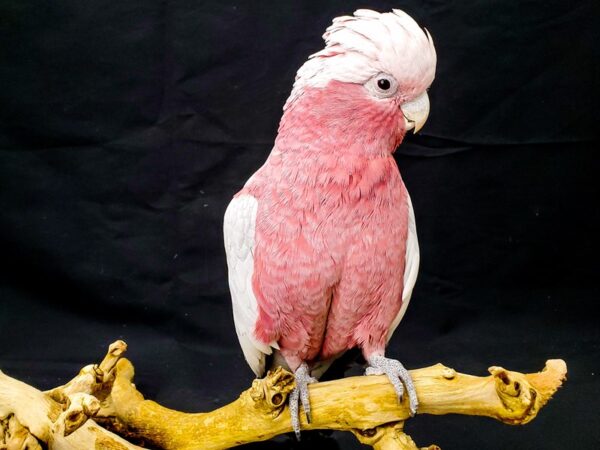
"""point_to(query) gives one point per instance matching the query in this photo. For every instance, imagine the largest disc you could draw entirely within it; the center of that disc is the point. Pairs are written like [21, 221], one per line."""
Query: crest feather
[360, 46]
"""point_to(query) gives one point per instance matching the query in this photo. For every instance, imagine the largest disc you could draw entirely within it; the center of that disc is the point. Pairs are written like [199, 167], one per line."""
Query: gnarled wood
[366, 406]
[29, 417]
[389, 437]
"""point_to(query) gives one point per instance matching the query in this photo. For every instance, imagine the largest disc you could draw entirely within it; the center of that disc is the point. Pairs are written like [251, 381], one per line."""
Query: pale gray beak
[416, 112]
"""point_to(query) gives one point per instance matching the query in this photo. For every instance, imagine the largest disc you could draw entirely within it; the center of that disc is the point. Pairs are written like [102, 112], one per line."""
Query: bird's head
[369, 82]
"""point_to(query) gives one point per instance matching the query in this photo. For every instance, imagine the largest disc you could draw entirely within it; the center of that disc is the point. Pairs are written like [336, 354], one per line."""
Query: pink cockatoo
[321, 242]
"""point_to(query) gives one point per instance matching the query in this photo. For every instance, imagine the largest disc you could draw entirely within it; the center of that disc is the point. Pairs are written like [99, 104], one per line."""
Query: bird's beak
[416, 112]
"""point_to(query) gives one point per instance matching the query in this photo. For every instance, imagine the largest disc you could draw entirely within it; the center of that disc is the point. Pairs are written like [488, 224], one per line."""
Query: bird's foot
[300, 394]
[398, 375]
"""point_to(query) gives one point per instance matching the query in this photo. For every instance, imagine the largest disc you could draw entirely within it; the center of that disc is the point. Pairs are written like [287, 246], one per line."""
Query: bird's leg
[300, 394]
[398, 375]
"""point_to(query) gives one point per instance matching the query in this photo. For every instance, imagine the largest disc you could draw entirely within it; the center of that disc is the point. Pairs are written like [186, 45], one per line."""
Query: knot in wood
[369, 432]
[448, 373]
[516, 395]
[269, 394]
[117, 348]
[81, 408]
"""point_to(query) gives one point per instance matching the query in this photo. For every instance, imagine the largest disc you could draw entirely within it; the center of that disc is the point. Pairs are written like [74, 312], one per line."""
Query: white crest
[361, 46]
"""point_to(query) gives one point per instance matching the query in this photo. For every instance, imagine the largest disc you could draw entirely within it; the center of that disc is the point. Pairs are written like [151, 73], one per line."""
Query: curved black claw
[379, 365]
[300, 394]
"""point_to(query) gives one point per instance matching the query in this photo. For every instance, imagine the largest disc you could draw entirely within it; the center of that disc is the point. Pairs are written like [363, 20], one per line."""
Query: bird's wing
[238, 230]
[411, 266]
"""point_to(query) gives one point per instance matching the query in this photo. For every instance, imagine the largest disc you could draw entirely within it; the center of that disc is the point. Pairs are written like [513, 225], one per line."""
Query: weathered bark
[59, 418]
[366, 406]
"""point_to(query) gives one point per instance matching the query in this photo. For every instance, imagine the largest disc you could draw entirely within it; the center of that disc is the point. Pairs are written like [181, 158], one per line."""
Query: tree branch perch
[366, 406]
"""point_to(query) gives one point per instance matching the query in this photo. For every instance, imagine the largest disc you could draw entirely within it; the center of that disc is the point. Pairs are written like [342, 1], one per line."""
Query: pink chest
[325, 205]
[312, 233]
[331, 225]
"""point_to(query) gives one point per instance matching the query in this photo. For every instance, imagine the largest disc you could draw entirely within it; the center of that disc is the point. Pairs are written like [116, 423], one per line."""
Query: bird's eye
[382, 85]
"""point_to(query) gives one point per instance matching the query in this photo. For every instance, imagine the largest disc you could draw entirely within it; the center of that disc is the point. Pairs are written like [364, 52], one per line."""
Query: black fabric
[127, 126]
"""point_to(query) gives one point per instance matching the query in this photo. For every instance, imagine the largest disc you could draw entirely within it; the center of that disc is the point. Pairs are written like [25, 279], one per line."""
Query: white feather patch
[411, 267]
[239, 229]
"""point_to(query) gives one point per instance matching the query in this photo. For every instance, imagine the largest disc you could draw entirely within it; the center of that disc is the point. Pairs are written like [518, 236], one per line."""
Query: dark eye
[384, 84]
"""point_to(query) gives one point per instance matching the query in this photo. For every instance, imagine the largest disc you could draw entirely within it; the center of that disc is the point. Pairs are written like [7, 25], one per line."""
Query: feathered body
[321, 242]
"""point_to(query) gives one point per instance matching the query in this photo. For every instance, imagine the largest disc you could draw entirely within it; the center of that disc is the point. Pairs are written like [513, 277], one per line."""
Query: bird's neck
[340, 121]
[336, 142]
[341, 162]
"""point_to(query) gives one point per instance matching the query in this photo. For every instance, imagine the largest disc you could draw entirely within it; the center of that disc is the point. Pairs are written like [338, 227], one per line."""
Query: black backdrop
[127, 126]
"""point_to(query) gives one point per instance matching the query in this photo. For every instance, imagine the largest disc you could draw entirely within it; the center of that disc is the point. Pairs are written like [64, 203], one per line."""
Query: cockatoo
[321, 244]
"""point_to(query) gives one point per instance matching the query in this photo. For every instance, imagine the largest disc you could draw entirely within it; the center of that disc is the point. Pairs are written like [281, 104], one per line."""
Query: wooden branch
[60, 418]
[366, 406]
[357, 403]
